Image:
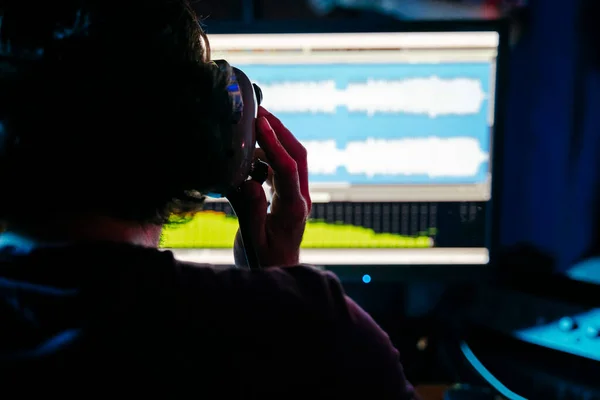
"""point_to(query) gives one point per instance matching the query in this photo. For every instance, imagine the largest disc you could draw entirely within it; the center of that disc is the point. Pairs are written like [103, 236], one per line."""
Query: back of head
[107, 107]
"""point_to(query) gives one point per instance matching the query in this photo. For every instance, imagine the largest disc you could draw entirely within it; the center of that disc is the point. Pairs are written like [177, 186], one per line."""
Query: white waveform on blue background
[433, 157]
[431, 96]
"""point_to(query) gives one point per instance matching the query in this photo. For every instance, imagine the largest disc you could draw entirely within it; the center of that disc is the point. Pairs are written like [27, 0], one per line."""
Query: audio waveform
[431, 96]
[432, 157]
[216, 230]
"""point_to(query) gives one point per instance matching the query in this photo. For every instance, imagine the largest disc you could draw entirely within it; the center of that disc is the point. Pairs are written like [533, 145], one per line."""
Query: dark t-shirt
[119, 319]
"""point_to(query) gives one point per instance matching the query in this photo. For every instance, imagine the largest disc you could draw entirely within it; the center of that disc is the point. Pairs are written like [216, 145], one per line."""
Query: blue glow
[487, 375]
[55, 344]
[592, 332]
[586, 271]
[566, 324]
[366, 278]
[569, 334]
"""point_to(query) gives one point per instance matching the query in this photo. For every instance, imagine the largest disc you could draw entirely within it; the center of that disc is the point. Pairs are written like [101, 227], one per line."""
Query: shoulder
[296, 313]
[301, 288]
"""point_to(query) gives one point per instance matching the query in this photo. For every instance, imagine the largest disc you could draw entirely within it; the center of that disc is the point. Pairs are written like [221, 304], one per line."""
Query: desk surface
[432, 392]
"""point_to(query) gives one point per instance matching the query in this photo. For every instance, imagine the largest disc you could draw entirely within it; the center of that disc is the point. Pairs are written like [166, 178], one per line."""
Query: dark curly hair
[110, 107]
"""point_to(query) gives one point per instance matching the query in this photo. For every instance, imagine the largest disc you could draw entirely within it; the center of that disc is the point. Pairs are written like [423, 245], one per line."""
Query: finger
[287, 138]
[284, 167]
[260, 155]
[250, 205]
[269, 180]
[294, 148]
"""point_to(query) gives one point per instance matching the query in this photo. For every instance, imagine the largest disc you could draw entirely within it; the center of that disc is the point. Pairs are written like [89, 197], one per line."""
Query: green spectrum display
[215, 230]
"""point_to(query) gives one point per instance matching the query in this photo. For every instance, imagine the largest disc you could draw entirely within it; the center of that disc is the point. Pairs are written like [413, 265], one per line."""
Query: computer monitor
[399, 128]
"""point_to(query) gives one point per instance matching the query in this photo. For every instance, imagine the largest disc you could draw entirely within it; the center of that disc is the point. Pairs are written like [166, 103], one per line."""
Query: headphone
[246, 97]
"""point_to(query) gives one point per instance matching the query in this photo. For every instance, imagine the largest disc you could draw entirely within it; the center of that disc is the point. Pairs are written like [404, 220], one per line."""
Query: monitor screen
[398, 128]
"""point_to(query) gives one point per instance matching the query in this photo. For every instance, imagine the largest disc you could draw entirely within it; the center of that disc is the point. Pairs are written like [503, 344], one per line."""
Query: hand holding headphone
[269, 239]
[275, 237]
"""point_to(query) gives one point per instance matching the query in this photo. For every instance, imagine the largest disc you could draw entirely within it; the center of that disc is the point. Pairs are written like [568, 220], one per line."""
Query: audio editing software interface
[398, 128]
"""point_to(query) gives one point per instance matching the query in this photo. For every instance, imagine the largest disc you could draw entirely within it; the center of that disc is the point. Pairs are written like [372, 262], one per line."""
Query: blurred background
[548, 152]
[242, 10]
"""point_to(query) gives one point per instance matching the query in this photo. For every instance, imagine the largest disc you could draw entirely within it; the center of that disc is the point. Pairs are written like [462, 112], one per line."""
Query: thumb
[250, 205]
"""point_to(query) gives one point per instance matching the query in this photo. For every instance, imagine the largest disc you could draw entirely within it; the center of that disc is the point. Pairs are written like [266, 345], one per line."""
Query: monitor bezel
[387, 273]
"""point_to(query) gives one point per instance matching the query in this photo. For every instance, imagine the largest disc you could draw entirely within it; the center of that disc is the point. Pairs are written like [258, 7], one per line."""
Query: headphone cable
[486, 375]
